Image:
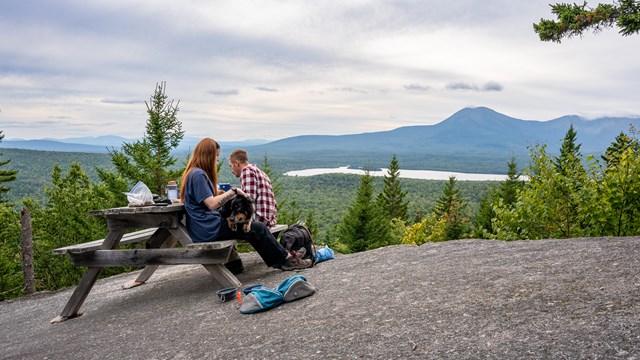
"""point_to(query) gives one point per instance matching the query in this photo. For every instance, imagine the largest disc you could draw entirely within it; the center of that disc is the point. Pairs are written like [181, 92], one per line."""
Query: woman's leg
[235, 262]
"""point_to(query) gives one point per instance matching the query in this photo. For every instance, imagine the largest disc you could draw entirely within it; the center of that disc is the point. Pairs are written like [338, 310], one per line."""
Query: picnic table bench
[162, 228]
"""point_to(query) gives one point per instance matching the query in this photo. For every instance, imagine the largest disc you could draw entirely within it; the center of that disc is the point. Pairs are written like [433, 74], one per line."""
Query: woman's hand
[215, 202]
[239, 191]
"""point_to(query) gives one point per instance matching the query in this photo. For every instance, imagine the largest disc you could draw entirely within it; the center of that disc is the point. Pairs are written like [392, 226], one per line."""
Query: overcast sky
[273, 69]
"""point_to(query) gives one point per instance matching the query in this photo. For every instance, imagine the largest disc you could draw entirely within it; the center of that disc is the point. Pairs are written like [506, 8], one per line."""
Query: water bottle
[172, 191]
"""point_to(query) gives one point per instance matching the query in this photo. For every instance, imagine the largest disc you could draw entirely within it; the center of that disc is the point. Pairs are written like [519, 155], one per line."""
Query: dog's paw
[246, 227]
[232, 224]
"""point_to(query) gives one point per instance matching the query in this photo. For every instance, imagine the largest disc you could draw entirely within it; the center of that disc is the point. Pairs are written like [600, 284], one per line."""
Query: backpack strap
[295, 288]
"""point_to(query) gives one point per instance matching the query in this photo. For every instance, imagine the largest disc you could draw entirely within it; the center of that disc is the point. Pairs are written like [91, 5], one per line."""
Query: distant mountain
[471, 140]
[188, 143]
[52, 145]
[468, 131]
[106, 140]
[101, 144]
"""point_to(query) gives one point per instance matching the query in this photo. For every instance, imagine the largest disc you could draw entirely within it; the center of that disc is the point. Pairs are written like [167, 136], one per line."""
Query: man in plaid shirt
[256, 184]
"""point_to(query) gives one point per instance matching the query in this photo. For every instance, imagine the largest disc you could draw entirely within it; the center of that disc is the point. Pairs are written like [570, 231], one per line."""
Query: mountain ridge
[472, 139]
[470, 129]
[104, 143]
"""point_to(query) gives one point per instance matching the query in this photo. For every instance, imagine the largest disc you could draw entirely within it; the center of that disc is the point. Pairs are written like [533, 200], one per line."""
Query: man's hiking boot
[299, 253]
[294, 263]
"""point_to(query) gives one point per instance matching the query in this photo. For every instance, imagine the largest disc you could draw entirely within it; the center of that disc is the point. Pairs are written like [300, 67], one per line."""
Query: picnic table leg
[220, 273]
[181, 234]
[223, 276]
[160, 239]
[88, 280]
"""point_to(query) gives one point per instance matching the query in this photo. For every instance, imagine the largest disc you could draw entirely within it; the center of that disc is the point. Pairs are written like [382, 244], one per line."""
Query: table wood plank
[146, 273]
[174, 208]
[128, 238]
[142, 257]
[212, 244]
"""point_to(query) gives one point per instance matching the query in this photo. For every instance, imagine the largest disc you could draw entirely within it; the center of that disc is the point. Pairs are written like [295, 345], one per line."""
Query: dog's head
[238, 211]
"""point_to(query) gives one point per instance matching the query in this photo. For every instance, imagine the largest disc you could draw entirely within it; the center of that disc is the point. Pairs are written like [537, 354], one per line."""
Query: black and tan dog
[238, 211]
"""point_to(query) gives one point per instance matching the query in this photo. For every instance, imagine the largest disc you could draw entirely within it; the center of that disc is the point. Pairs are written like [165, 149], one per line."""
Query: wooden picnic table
[162, 228]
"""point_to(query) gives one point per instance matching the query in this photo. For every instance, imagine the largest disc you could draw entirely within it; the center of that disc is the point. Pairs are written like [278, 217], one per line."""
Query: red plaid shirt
[257, 185]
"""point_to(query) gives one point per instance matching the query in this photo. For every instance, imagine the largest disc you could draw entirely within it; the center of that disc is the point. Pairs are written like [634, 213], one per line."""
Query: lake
[408, 174]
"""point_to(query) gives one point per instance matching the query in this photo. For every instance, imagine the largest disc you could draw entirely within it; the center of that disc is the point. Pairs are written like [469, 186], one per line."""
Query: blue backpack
[259, 297]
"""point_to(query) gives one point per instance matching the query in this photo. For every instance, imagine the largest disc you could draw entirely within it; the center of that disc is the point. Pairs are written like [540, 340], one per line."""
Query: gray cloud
[461, 86]
[223, 92]
[492, 86]
[417, 87]
[489, 86]
[349, 89]
[267, 89]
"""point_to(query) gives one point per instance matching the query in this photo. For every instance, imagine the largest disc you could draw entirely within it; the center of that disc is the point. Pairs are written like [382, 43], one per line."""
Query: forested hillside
[327, 196]
[35, 168]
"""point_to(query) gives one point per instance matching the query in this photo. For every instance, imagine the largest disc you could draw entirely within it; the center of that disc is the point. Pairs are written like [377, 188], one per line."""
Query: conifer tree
[451, 208]
[506, 194]
[484, 215]
[276, 186]
[569, 180]
[449, 196]
[312, 224]
[266, 168]
[6, 175]
[574, 19]
[508, 190]
[618, 147]
[364, 226]
[392, 198]
[149, 160]
[570, 157]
